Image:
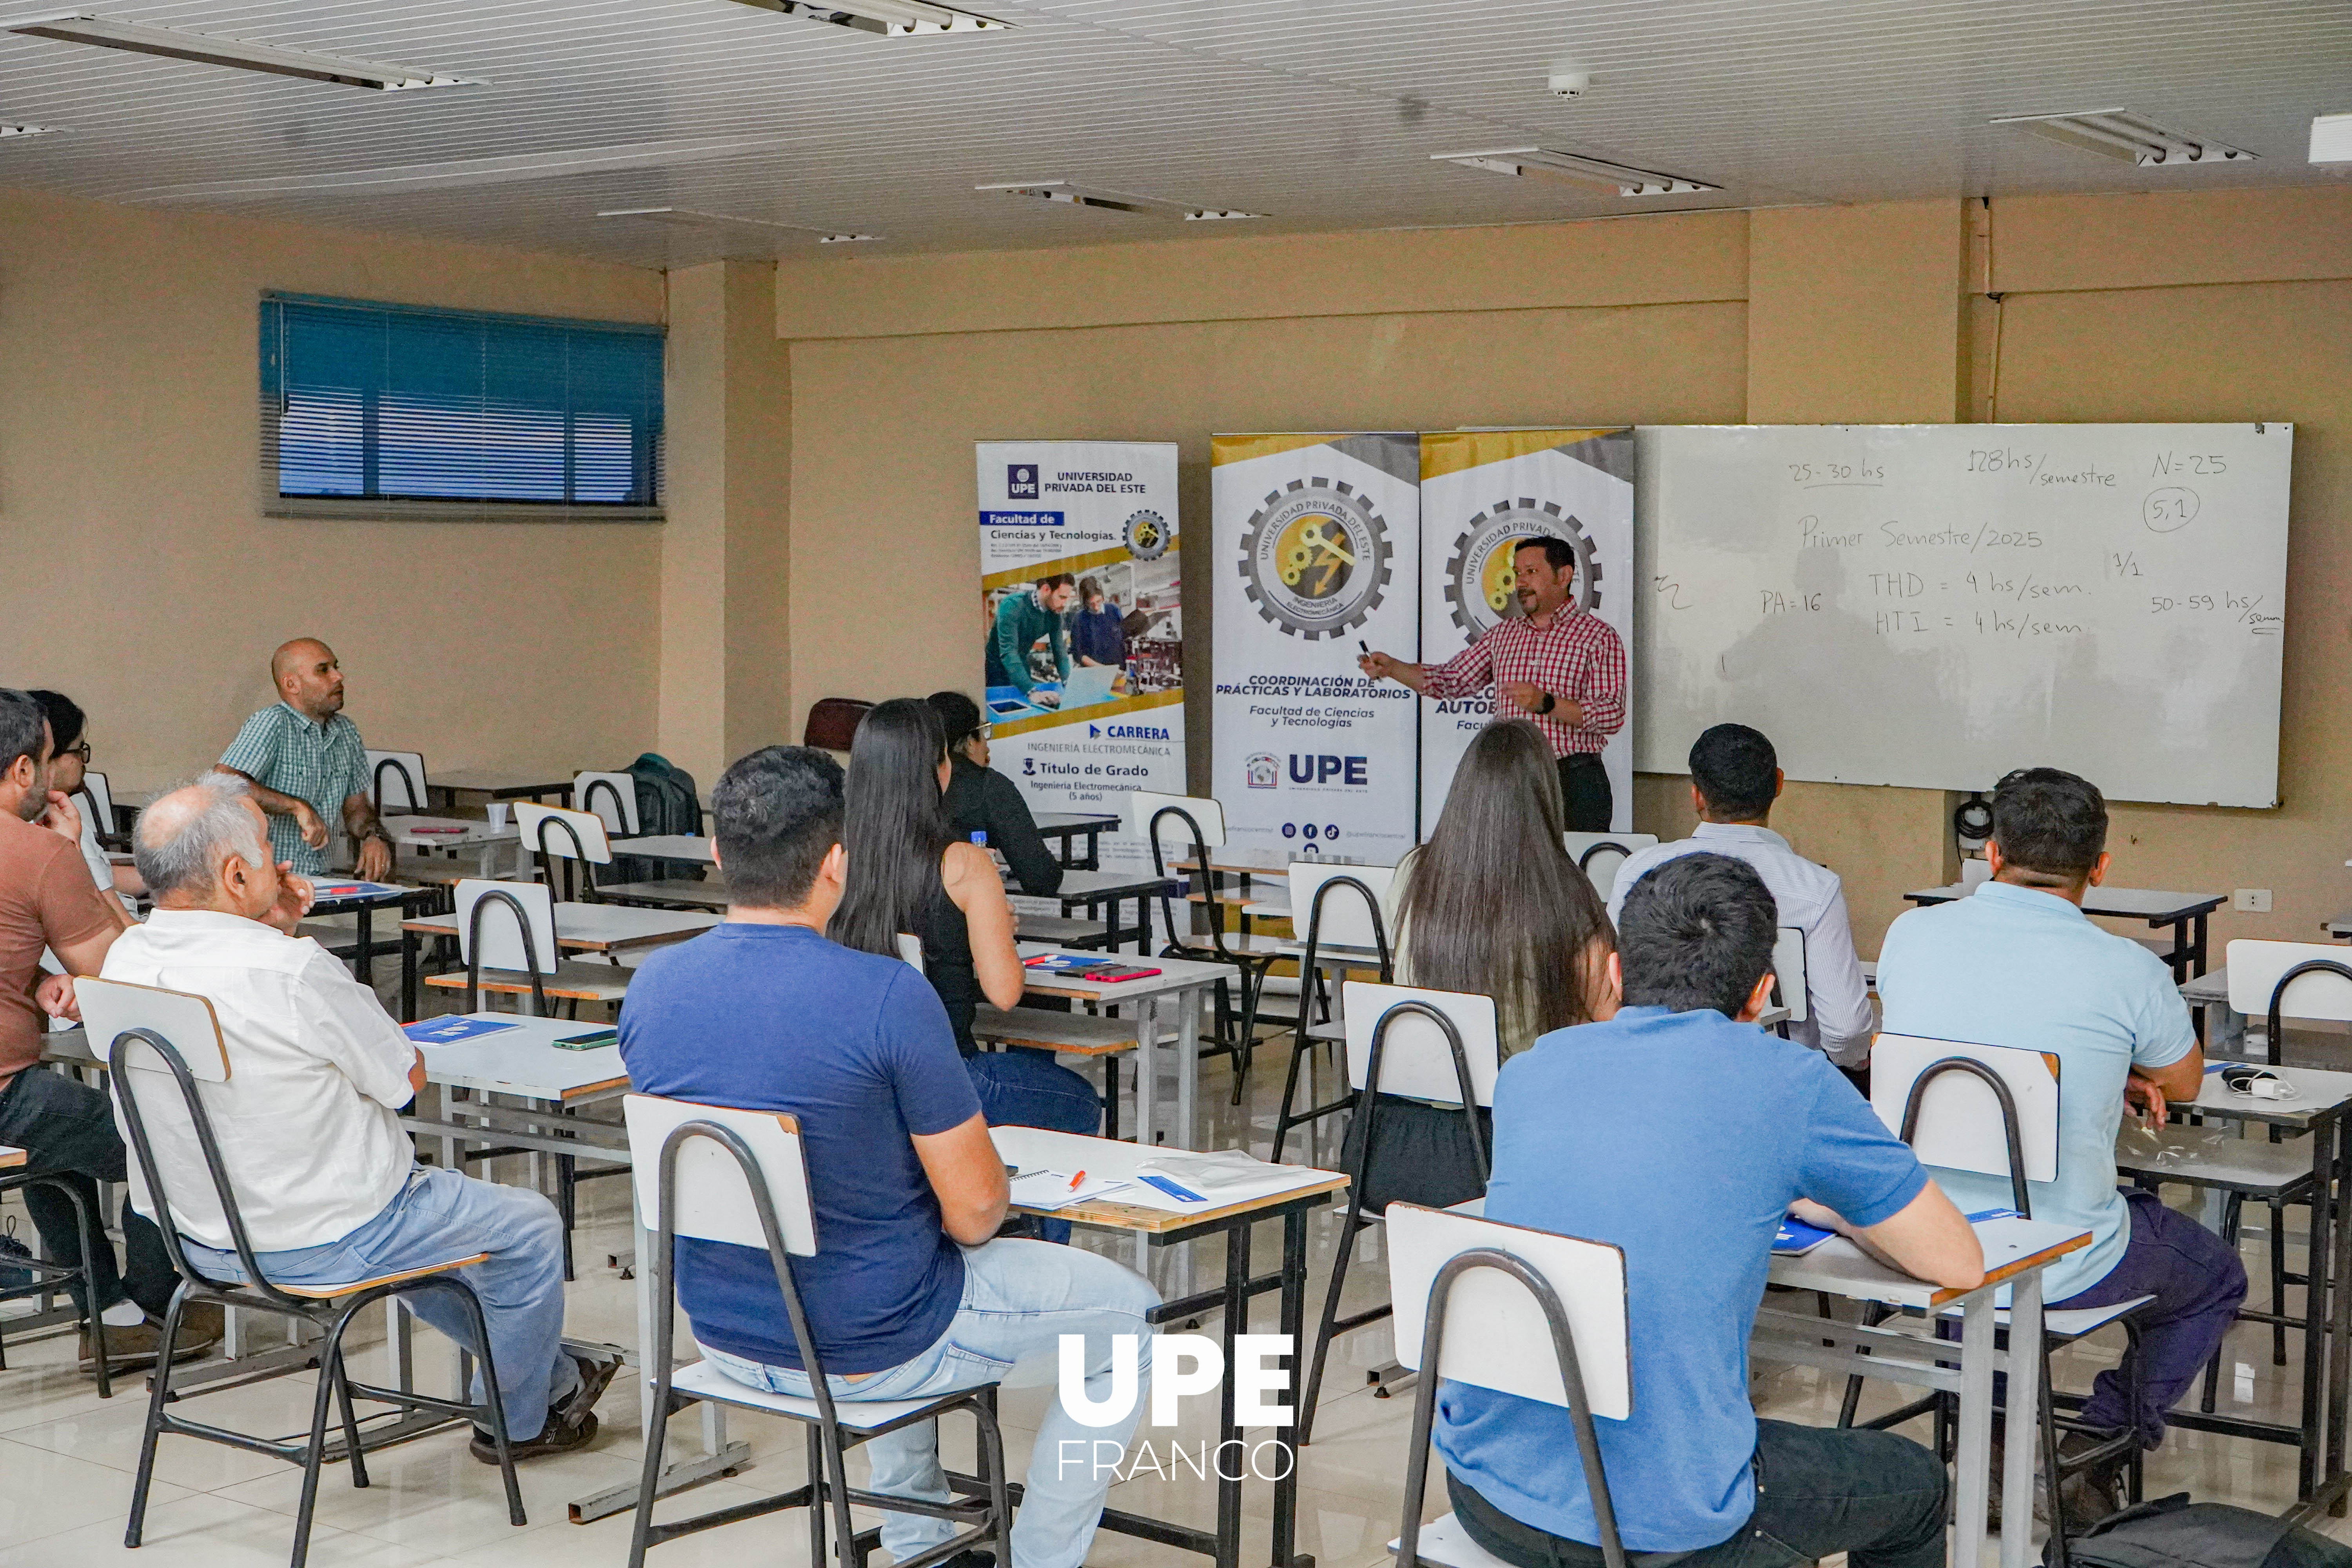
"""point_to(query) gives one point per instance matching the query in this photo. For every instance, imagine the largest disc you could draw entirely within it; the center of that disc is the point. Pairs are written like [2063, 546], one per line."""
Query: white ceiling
[1322, 114]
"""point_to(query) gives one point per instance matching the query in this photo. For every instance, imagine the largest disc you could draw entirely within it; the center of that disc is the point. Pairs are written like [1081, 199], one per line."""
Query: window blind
[378, 410]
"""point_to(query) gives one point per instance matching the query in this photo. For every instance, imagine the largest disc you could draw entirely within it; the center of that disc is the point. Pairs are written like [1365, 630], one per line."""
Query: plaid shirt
[1578, 659]
[282, 750]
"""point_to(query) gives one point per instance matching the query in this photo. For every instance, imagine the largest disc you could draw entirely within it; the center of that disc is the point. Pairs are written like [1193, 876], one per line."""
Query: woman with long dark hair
[1492, 904]
[909, 873]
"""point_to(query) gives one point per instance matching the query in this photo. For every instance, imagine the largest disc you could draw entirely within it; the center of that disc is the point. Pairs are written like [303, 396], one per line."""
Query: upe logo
[1181, 1364]
[1323, 770]
[1021, 481]
[1263, 772]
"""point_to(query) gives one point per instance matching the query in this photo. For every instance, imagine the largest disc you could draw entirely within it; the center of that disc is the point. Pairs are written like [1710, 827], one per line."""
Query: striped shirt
[325, 764]
[1576, 657]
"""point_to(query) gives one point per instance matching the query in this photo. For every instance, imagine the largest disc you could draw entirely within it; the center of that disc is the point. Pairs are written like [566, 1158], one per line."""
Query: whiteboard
[1935, 604]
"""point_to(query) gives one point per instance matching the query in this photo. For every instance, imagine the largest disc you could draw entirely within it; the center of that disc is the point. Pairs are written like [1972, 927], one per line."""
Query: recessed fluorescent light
[688, 217]
[1076, 196]
[886, 18]
[2130, 138]
[1623, 178]
[8, 131]
[2331, 139]
[80, 28]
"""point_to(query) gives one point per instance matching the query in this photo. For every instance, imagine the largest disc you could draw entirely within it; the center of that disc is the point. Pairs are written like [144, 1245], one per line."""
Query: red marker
[1075, 1179]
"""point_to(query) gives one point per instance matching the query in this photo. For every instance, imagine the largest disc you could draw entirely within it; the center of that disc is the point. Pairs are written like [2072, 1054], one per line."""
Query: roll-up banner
[1084, 678]
[1317, 553]
[1482, 491]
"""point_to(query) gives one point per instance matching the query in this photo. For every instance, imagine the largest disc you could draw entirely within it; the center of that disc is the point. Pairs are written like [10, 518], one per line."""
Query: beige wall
[143, 579]
[2224, 307]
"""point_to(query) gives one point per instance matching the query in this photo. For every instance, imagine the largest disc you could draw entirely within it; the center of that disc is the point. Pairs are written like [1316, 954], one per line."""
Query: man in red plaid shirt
[1561, 667]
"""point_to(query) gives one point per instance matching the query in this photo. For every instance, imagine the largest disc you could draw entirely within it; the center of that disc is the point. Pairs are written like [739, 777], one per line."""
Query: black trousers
[1584, 791]
[68, 1129]
[1819, 1490]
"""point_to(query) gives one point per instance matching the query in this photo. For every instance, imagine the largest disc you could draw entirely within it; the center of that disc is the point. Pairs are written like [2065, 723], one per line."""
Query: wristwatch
[1549, 703]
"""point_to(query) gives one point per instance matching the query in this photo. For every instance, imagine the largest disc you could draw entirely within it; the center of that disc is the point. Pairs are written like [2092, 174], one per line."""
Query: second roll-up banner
[1317, 539]
[1482, 493]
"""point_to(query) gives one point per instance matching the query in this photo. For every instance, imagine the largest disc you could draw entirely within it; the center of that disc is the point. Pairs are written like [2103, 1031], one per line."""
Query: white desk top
[2340, 926]
[1272, 862]
[1175, 974]
[520, 1061]
[490, 781]
[404, 830]
[1077, 886]
[2316, 1090]
[2012, 1247]
[2213, 986]
[1066, 821]
[1075, 1151]
[2153, 905]
[598, 928]
[668, 846]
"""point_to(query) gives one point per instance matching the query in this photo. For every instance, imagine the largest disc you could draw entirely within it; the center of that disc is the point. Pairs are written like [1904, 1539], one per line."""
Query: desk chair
[1436, 1046]
[575, 837]
[1198, 824]
[48, 1274]
[1597, 855]
[145, 1030]
[2262, 974]
[741, 1177]
[1993, 1110]
[1789, 978]
[517, 955]
[1521, 1311]
[1353, 926]
[98, 809]
[833, 722]
[611, 797]
[396, 781]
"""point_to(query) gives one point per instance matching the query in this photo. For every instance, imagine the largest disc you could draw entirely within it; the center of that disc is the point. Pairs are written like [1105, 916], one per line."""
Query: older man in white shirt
[1735, 778]
[308, 1124]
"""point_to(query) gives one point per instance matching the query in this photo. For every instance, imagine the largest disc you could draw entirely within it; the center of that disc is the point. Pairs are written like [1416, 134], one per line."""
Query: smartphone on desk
[586, 1041]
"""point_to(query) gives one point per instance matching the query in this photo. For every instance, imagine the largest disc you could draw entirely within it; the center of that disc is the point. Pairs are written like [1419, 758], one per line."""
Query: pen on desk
[1075, 1179]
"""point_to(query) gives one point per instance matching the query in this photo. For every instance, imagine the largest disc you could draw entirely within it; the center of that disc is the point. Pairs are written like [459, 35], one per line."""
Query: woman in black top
[979, 800]
[909, 873]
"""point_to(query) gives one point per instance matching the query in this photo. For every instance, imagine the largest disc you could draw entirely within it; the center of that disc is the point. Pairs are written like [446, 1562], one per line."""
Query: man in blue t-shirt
[1694, 1194]
[2018, 964]
[909, 1295]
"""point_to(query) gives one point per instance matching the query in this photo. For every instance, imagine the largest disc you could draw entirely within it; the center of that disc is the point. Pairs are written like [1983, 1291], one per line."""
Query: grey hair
[182, 862]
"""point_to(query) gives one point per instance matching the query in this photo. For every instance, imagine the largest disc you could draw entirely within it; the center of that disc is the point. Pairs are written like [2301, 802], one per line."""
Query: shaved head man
[308, 765]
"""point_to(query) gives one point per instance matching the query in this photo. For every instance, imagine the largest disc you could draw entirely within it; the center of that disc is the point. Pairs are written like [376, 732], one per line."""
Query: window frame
[270, 373]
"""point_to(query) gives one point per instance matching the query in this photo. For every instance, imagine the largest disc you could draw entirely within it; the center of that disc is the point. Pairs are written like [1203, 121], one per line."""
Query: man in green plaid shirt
[308, 765]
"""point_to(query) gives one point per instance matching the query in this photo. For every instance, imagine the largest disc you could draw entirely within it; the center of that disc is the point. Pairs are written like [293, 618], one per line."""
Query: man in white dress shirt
[309, 1123]
[1735, 779]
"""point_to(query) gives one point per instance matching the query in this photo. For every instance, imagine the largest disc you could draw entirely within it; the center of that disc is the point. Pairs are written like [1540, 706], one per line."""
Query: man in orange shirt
[67, 1129]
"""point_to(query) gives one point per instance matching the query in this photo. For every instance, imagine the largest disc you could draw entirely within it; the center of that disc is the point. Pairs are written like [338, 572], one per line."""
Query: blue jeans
[1019, 1299]
[439, 1215]
[1021, 1087]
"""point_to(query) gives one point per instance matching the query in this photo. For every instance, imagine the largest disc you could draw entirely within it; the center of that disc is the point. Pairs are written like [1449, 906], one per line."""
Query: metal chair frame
[331, 1316]
[1311, 990]
[48, 1272]
[1941, 1405]
[530, 949]
[1367, 1102]
[828, 1487]
[1250, 967]
[1571, 1380]
[621, 809]
[415, 786]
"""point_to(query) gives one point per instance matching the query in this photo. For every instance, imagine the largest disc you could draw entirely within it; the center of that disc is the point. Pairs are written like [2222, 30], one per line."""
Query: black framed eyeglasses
[81, 751]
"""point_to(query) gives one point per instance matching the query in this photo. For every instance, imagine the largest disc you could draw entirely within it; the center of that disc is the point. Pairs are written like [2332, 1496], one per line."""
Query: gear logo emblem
[1481, 582]
[1147, 535]
[1315, 558]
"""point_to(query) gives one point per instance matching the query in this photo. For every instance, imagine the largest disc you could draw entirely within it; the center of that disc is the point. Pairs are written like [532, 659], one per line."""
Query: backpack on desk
[2173, 1532]
[668, 802]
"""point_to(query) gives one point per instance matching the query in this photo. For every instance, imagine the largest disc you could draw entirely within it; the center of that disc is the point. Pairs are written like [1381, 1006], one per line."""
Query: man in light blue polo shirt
[2018, 964]
[1694, 1196]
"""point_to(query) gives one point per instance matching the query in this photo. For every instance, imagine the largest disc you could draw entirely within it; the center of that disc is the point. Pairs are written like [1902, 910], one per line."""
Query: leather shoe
[133, 1347]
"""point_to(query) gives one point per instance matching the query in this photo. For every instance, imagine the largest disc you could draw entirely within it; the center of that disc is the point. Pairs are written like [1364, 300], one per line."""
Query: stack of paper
[1041, 1189]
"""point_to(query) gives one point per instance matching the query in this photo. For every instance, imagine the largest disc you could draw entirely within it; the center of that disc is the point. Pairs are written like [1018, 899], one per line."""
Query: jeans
[1584, 794]
[1819, 1490]
[1021, 1087]
[439, 1215]
[1019, 1299]
[2198, 1283]
[67, 1129]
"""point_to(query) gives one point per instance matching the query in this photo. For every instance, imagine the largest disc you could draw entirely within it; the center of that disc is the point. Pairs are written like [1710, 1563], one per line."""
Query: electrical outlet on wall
[2252, 901]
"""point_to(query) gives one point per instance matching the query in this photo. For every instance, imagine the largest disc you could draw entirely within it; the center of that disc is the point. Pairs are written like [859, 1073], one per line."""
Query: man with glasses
[985, 806]
[307, 765]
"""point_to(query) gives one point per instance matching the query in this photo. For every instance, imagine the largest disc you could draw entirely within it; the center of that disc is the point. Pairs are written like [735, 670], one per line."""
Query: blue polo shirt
[858, 1046]
[1681, 1138]
[2013, 966]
